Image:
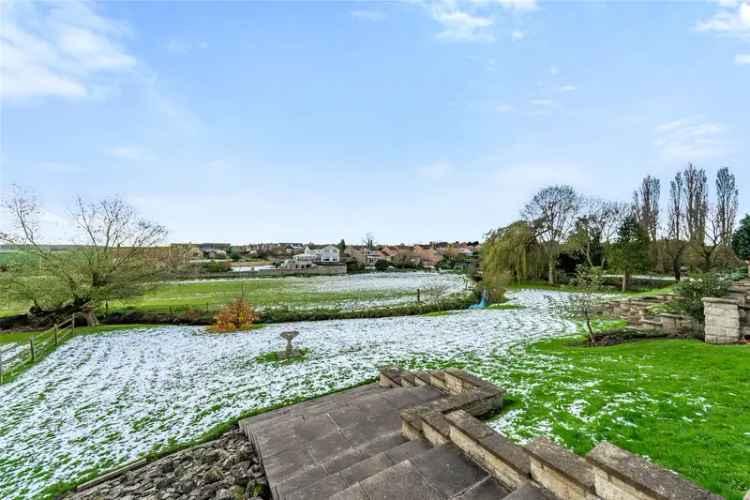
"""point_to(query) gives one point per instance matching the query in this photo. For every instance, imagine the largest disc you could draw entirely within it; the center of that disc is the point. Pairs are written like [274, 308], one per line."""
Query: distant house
[215, 250]
[326, 254]
[429, 257]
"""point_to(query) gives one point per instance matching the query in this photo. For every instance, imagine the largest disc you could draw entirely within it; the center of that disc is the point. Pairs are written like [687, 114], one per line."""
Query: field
[107, 398]
[347, 292]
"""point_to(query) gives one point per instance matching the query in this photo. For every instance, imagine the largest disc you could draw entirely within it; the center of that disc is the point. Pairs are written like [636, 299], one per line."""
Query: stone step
[342, 479]
[440, 473]
[530, 491]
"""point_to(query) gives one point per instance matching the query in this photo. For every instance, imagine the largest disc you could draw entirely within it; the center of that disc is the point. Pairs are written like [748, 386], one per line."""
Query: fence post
[55, 334]
[418, 296]
[73, 320]
[31, 347]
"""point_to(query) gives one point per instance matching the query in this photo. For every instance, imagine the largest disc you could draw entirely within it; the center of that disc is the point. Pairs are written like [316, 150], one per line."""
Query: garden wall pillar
[722, 320]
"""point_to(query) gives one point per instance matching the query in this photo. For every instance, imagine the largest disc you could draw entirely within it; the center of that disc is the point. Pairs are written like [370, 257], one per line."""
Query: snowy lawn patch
[682, 403]
[104, 399]
[347, 292]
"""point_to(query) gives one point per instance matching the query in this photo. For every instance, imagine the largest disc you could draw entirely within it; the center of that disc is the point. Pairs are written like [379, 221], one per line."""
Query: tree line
[559, 229]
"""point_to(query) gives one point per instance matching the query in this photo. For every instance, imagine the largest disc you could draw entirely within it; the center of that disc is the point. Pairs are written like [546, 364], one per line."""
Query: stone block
[560, 471]
[408, 431]
[620, 475]
[501, 470]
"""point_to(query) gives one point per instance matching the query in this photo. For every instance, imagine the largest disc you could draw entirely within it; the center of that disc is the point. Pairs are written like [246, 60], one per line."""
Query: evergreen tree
[741, 239]
[629, 253]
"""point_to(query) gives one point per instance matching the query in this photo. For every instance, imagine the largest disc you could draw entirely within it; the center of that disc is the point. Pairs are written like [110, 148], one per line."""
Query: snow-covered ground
[101, 400]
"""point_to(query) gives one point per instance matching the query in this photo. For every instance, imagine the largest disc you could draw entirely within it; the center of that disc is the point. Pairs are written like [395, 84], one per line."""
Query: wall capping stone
[606, 473]
[560, 470]
[642, 478]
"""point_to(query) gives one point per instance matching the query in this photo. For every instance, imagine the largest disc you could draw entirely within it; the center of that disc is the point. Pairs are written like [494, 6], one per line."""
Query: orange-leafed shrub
[237, 315]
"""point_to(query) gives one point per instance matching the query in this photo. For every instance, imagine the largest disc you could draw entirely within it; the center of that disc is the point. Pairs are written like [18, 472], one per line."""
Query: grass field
[683, 404]
[347, 292]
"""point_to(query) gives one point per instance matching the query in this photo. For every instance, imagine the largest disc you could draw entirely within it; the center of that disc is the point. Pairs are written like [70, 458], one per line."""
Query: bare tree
[552, 213]
[595, 227]
[726, 205]
[369, 241]
[646, 204]
[114, 258]
[675, 241]
[696, 203]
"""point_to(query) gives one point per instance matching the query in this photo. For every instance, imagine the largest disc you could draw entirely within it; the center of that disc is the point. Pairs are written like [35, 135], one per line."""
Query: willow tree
[510, 253]
[112, 256]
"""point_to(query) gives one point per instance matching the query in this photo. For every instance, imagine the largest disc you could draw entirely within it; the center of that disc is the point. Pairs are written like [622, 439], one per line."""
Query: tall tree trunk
[625, 281]
[551, 271]
[90, 316]
[676, 271]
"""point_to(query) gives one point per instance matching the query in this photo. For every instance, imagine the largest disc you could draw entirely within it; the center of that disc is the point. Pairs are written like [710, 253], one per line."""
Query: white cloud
[474, 20]
[517, 5]
[369, 15]
[568, 88]
[732, 19]
[741, 59]
[127, 153]
[435, 171]
[460, 26]
[690, 139]
[504, 108]
[58, 49]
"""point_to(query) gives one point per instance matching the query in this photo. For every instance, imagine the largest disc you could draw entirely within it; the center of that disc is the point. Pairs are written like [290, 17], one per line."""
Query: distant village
[348, 258]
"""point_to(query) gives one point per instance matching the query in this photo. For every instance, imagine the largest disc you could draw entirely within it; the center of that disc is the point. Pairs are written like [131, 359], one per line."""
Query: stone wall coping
[644, 476]
[508, 451]
[475, 381]
[719, 300]
[469, 425]
[495, 443]
[563, 461]
[437, 421]
[423, 376]
[672, 316]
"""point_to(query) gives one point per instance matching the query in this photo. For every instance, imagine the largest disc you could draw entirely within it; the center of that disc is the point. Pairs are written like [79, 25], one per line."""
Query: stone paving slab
[350, 447]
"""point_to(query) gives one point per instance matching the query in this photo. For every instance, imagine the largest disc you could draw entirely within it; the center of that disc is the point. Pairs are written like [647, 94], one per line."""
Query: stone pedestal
[723, 324]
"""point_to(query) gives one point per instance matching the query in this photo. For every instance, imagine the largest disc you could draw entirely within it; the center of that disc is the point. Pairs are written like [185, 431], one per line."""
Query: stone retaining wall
[728, 318]
[606, 473]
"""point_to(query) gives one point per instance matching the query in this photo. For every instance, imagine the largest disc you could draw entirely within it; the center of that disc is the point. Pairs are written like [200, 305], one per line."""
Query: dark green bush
[690, 292]
[381, 265]
[216, 267]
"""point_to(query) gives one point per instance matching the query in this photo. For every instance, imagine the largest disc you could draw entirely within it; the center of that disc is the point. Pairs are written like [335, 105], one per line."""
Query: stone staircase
[350, 446]
[415, 436]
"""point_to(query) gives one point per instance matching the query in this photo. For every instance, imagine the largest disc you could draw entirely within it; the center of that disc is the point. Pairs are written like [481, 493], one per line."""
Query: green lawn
[682, 403]
[264, 292]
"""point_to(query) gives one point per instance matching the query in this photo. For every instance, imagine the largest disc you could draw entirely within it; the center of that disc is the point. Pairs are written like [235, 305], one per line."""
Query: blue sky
[416, 121]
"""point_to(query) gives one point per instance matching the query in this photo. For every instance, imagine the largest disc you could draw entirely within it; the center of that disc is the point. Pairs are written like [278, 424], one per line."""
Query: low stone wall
[606, 473]
[723, 324]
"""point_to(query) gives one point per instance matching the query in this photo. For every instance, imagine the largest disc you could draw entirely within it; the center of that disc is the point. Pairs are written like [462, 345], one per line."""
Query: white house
[325, 254]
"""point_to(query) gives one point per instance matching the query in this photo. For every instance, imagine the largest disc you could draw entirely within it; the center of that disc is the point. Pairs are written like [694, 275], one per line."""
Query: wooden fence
[38, 344]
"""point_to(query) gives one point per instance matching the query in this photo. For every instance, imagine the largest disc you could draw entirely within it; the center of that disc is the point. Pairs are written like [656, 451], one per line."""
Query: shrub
[381, 265]
[217, 267]
[237, 315]
[689, 292]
